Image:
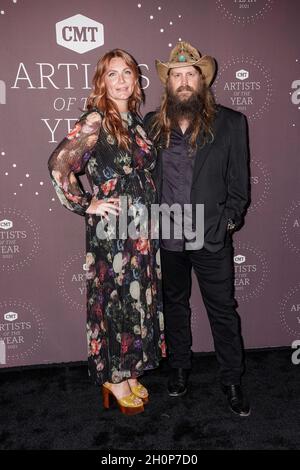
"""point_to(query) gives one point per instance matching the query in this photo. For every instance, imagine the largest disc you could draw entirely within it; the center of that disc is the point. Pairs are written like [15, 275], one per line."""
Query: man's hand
[231, 225]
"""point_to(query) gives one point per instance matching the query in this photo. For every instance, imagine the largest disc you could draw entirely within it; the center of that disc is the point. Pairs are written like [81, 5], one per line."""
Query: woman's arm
[69, 159]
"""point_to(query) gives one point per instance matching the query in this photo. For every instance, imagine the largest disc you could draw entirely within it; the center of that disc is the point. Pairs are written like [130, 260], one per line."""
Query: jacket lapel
[200, 158]
[203, 152]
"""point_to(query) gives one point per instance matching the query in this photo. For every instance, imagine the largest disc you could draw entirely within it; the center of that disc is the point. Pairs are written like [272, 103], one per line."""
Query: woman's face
[119, 81]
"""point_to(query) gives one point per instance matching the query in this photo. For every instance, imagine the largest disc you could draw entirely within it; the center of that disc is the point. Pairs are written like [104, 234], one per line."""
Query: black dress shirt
[178, 163]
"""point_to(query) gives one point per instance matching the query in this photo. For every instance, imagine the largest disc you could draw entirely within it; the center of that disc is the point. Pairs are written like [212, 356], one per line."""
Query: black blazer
[220, 175]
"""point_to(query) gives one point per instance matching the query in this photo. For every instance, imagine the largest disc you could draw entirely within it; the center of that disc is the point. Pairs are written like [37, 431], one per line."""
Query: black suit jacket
[220, 175]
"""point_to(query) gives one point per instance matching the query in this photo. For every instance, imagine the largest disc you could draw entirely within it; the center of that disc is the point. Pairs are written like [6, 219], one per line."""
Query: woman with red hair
[124, 304]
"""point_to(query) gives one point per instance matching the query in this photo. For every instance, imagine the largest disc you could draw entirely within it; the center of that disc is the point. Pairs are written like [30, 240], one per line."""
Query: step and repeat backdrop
[48, 51]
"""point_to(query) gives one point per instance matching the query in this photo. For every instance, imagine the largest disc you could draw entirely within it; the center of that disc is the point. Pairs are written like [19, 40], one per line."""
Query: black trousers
[215, 276]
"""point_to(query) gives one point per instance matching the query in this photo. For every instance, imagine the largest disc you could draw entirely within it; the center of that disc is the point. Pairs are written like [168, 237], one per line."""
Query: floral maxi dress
[125, 331]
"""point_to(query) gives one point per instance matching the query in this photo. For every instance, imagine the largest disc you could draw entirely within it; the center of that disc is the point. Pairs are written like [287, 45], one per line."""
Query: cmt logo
[10, 316]
[79, 33]
[6, 224]
[239, 259]
[242, 74]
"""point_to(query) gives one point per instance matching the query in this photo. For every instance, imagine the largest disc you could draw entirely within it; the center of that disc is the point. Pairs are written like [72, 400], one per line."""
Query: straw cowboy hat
[184, 55]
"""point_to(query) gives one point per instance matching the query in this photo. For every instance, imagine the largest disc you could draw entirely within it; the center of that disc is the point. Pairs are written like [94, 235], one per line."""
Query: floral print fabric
[125, 330]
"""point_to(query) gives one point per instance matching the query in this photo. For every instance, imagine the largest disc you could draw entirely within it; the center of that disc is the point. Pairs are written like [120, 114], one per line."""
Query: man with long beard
[202, 159]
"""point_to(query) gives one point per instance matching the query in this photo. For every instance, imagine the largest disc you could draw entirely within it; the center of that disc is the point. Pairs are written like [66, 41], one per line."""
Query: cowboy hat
[184, 55]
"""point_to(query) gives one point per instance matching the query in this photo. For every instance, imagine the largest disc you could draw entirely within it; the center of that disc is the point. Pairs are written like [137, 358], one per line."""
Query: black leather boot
[177, 383]
[238, 404]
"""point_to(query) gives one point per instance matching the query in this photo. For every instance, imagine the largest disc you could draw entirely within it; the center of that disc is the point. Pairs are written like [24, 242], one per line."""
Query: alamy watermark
[296, 354]
[165, 222]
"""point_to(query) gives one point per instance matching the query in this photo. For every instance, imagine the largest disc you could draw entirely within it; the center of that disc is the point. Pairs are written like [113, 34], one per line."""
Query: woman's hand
[104, 207]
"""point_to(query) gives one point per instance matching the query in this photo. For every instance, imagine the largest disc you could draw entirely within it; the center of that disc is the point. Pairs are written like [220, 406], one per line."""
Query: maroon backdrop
[48, 52]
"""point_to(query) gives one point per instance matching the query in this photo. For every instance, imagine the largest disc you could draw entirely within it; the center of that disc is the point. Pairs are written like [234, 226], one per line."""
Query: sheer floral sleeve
[69, 159]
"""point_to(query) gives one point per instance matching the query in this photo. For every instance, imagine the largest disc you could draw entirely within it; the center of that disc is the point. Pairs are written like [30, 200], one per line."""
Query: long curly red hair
[112, 121]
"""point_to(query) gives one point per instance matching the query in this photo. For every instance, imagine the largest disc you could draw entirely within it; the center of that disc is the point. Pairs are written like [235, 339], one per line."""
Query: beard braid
[189, 108]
